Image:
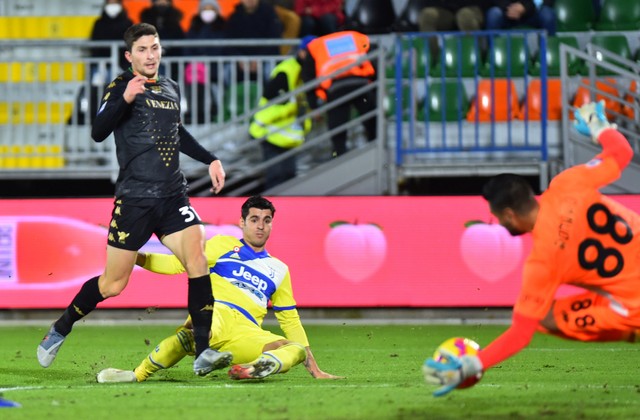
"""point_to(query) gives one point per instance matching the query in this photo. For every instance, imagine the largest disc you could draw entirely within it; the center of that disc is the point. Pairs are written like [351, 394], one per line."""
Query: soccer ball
[459, 346]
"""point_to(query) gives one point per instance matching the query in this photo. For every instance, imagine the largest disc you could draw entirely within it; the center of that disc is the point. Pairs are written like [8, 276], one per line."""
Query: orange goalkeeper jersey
[583, 238]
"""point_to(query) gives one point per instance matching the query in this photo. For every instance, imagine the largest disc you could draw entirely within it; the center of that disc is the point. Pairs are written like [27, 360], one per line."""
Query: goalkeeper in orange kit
[581, 238]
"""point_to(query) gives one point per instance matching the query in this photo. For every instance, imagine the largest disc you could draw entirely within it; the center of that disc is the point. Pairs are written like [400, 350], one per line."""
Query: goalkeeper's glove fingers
[451, 371]
[591, 120]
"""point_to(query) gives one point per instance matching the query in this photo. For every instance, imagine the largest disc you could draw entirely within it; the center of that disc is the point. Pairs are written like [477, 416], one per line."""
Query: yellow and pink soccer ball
[459, 346]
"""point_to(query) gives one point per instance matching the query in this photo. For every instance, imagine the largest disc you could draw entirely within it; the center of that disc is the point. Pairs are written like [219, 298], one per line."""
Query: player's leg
[586, 317]
[287, 353]
[258, 353]
[184, 235]
[119, 265]
[278, 357]
[166, 354]
[130, 228]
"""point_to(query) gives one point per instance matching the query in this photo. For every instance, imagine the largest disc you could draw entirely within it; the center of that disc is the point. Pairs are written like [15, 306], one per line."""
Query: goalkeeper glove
[591, 120]
[451, 372]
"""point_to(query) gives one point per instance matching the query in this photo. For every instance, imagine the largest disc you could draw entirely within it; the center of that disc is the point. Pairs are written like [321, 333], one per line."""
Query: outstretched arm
[514, 339]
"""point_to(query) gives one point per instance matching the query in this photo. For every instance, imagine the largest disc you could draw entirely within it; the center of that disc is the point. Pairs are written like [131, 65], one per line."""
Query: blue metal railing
[429, 76]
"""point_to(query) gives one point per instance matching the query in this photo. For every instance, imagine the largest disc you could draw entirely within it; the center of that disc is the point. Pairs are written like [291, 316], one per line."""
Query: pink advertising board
[342, 252]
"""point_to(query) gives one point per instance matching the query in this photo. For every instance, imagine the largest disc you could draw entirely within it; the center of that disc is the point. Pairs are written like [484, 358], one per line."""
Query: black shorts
[134, 220]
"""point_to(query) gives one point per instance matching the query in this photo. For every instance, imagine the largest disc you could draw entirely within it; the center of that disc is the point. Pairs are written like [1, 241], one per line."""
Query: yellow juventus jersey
[244, 280]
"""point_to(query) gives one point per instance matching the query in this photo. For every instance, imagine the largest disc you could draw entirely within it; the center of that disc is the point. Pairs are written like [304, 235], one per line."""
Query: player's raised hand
[134, 88]
[591, 119]
[217, 174]
[450, 372]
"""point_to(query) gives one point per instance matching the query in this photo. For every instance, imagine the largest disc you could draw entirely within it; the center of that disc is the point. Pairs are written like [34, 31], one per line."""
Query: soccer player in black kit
[143, 111]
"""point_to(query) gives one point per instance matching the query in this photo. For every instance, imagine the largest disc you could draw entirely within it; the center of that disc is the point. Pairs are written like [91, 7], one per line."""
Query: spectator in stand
[449, 15]
[277, 123]
[208, 24]
[327, 55]
[320, 17]
[506, 14]
[166, 18]
[253, 19]
[110, 26]
[290, 21]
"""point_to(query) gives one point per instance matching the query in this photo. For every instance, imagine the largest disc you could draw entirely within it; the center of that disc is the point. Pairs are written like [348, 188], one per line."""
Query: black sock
[85, 301]
[200, 303]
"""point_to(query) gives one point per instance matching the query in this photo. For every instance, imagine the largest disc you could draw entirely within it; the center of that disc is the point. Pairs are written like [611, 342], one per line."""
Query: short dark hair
[135, 32]
[509, 191]
[257, 202]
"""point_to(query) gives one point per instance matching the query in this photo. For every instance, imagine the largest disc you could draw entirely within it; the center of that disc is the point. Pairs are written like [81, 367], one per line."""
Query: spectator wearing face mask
[207, 24]
[110, 26]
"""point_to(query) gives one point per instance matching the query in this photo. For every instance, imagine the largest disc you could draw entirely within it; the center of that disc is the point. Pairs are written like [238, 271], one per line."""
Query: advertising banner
[341, 251]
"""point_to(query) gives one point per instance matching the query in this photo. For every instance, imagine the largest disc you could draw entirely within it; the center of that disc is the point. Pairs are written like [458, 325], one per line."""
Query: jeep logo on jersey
[252, 278]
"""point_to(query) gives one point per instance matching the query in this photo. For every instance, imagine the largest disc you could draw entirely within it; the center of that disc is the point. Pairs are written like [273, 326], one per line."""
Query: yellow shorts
[233, 332]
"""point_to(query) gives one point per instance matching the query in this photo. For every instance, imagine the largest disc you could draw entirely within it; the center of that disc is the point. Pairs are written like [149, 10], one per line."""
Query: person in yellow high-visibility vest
[277, 123]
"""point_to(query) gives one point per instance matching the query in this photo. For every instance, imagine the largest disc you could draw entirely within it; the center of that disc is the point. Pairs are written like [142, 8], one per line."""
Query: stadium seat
[446, 101]
[605, 89]
[372, 17]
[631, 100]
[408, 96]
[574, 15]
[508, 56]
[532, 107]
[619, 15]
[495, 100]
[575, 64]
[462, 58]
[416, 56]
[235, 106]
[616, 44]
[407, 20]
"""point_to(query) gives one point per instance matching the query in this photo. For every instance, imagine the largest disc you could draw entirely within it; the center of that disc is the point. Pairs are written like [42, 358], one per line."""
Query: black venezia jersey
[146, 136]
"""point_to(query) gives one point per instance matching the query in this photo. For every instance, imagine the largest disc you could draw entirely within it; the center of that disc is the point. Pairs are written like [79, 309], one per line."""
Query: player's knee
[196, 265]
[275, 345]
[110, 287]
[548, 323]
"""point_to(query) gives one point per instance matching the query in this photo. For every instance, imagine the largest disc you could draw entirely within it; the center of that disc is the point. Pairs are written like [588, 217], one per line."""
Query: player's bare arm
[312, 367]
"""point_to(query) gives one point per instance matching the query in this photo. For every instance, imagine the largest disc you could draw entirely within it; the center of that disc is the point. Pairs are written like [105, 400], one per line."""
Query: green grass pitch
[553, 378]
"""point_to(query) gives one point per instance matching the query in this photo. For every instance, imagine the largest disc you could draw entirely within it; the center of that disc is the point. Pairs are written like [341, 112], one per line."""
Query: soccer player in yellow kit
[580, 237]
[245, 278]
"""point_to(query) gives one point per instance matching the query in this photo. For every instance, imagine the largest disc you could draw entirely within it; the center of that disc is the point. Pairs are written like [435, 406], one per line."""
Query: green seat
[415, 57]
[616, 44]
[246, 98]
[461, 55]
[408, 96]
[619, 15]
[508, 56]
[575, 15]
[575, 65]
[446, 101]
